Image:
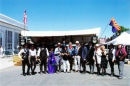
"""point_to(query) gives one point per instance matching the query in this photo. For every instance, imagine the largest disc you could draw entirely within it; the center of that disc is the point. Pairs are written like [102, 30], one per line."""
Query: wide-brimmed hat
[97, 45]
[77, 42]
[59, 43]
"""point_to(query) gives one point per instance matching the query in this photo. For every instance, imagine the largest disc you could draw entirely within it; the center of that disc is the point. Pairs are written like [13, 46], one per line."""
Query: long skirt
[51, 65]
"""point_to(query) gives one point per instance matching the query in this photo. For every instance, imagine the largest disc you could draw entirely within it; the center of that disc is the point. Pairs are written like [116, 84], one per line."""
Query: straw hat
[77, 42]
[59, 43]
[97, 45]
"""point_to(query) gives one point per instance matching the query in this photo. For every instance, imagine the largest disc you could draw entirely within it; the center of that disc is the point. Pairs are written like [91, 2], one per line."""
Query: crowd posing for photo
[69, 56]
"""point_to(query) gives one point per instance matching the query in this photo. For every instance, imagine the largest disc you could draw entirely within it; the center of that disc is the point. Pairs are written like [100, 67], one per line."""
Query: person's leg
[78, 58]
[41, 66]
[71, 62]
[28, 65]
[121, 67]
[31, 64]
[44, 63]
[112, 68]
[92, 67]
[34, 62]
[68, 66]
[84, 66]
[64, 65]
[23, 67]
[75, 63]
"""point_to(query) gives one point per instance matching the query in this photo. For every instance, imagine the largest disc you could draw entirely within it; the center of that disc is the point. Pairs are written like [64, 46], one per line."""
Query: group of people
[77, 55]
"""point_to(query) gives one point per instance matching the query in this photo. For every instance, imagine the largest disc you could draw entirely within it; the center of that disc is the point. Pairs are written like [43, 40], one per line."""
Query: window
[16, 40]
[8, 40]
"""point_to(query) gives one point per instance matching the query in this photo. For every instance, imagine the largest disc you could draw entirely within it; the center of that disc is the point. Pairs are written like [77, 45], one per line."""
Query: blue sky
[68, 14]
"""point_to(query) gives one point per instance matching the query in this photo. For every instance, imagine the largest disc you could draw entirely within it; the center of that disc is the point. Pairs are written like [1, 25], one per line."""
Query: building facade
[10, 31]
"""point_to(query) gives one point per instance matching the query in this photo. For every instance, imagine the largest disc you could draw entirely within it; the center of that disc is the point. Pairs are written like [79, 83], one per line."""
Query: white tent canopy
[124, 38]
[61, 33]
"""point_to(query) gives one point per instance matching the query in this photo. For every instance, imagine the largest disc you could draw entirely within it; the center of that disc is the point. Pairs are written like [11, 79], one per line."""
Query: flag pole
[105, 28]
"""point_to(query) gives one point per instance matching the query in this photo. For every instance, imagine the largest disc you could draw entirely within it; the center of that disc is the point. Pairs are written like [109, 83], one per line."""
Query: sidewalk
[6, 62]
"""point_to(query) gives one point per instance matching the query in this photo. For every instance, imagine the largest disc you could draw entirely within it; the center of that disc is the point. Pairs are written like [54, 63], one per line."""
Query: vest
[43, 53]
[110, 54]
[25, 54]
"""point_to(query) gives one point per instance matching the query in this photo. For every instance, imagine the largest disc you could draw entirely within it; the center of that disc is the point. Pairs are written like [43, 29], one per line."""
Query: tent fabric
[124, 38]
[61, 33]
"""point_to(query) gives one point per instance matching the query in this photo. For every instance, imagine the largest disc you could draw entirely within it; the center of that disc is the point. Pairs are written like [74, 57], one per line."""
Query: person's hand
[94, 59]
[112, 60]
[84, 59]
[121, 58]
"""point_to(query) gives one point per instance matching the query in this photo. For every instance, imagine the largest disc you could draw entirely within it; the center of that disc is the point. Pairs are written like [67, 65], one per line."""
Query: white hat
[97, 45]
[77, 42]
[59, 43]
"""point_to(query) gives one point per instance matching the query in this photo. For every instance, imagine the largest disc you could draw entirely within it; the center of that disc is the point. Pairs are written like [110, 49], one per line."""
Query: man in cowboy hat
[24, 55]
[57, 53]
[77, 57]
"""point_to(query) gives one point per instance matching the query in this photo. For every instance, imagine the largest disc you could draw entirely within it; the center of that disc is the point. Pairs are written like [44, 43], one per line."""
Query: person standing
[97, 58]
[58, 56]
[71, 53]
[77, 57]
[120, 57]
[90, 57]
[83, 52]
[103, 60]
[33, 57]
[111, 58]
[24, 55]
[51, 62]
[1, 51]
[43, 54]
[65, 55]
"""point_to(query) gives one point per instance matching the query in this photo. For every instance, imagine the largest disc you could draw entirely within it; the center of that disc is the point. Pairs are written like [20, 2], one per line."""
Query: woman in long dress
[103, 60]
[51, 62]
[97, 58]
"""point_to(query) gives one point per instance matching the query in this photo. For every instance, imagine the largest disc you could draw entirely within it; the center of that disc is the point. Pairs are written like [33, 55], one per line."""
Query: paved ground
[11, 76]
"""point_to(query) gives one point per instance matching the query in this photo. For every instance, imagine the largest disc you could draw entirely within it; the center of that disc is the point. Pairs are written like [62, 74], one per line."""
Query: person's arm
[47, 52]
[94, 55]
[124, 52]
[20, 52]
[86, 53]
[114, 54]
[38, 52]
[56, 51]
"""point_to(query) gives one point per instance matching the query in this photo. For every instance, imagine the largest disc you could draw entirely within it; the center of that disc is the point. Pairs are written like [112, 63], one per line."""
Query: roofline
[13, 20]
[94, 31]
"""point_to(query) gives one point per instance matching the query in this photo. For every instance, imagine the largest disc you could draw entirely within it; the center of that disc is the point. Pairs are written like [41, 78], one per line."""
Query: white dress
[97, 56]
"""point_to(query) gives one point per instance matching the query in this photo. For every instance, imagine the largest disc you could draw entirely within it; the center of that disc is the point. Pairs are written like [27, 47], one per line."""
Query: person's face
[77, 44]
[26, 46]
[90, 44]
[119, 46]
[32, 47]
[63, 41]
[58, 45]
[51, 49]
[65, 48]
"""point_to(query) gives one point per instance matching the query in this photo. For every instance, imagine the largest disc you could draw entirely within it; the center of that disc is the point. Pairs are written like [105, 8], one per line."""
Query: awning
[95, 31]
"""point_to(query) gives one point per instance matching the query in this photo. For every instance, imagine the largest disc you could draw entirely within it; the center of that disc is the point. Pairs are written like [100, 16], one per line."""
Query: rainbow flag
[114, 25]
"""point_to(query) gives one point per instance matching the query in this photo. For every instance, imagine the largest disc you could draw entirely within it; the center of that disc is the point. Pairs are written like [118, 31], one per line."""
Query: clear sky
[68, 14]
